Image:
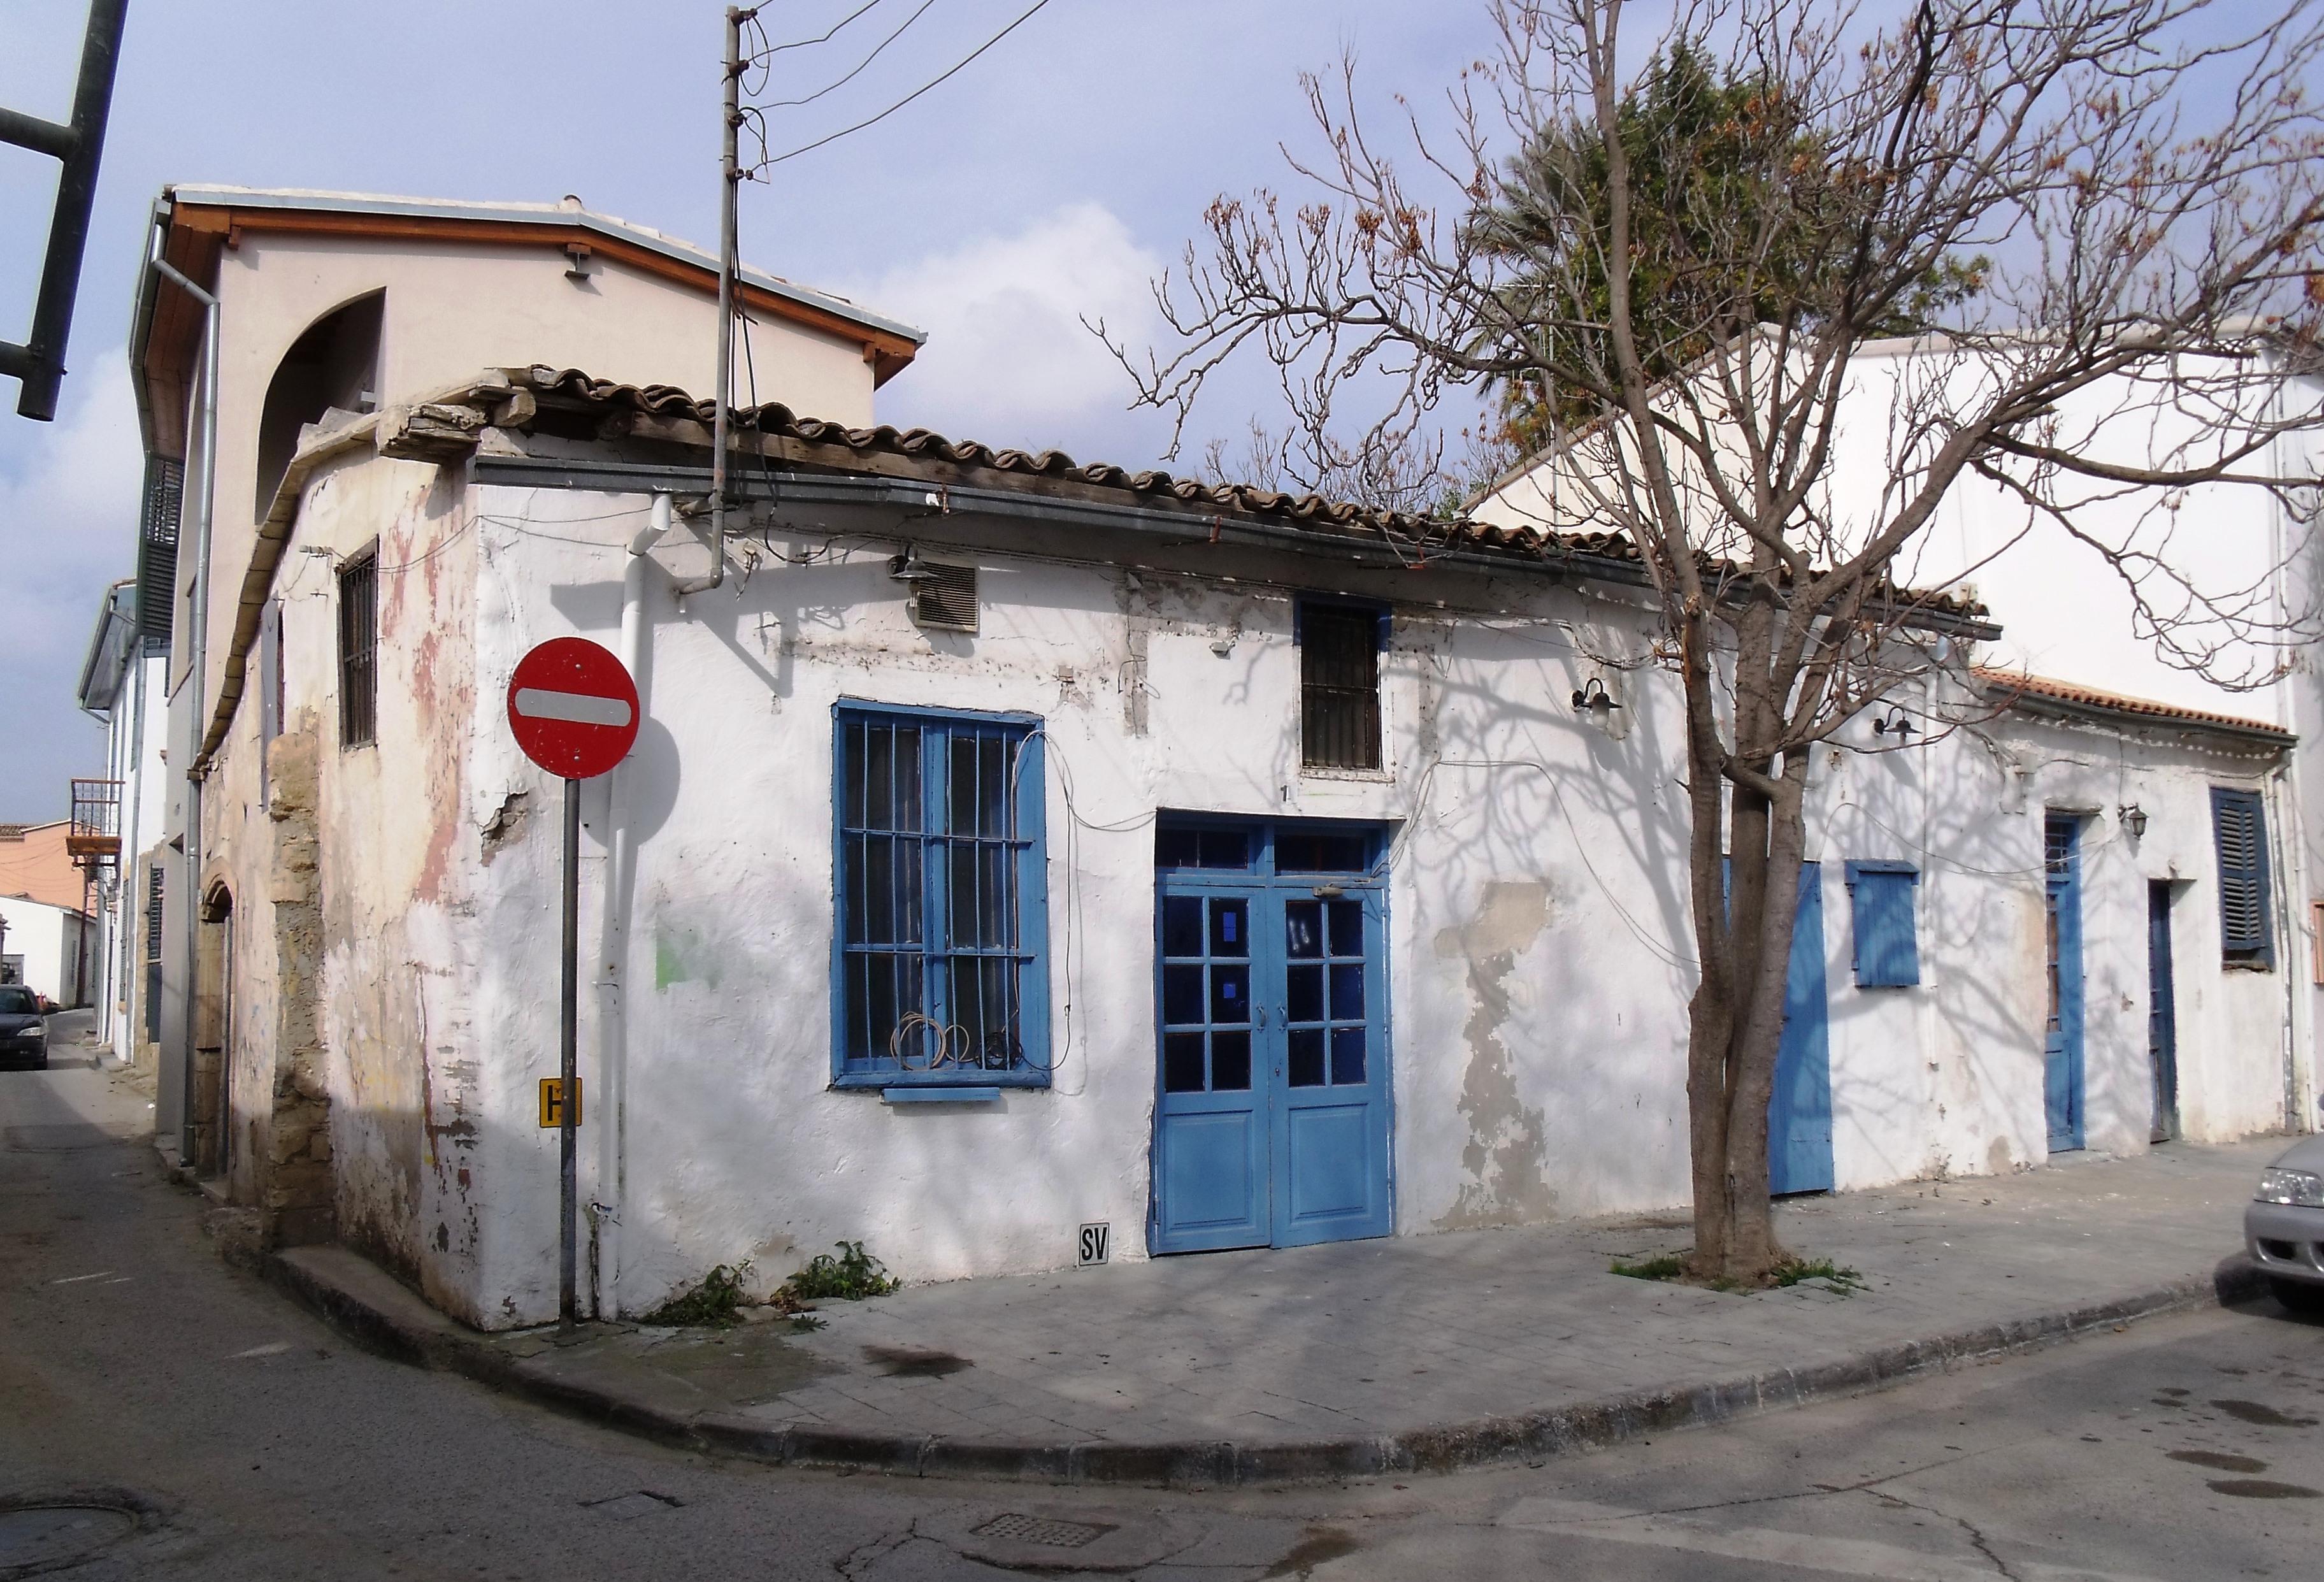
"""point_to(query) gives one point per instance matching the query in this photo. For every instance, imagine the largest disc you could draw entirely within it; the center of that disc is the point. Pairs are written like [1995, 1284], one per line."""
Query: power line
[824, 38]
[907, 98]
[843, 82]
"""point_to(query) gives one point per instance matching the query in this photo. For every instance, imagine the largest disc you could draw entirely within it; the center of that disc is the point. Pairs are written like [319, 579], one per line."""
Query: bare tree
[2062, 201]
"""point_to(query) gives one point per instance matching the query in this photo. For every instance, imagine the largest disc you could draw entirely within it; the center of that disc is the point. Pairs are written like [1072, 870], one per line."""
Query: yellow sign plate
[552, 1113]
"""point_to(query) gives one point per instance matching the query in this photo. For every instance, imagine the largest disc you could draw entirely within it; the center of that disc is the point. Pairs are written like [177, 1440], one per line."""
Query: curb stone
[371, 1308]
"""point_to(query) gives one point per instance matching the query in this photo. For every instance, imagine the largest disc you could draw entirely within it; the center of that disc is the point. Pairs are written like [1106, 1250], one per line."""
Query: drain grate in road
[1018, 1527]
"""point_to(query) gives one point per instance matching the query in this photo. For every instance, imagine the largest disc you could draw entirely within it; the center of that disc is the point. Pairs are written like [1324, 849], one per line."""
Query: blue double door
[1271, 1114]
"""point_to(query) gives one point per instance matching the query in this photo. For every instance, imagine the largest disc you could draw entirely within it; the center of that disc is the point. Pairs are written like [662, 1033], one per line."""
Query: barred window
[1339, 686]
[942, 903]
[359, 651]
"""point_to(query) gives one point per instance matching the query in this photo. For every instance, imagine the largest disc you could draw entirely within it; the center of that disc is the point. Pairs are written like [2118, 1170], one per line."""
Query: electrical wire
[860, 65]
[947, 75]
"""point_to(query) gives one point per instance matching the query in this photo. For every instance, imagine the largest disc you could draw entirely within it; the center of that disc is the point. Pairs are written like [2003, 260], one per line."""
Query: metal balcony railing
[95, 837]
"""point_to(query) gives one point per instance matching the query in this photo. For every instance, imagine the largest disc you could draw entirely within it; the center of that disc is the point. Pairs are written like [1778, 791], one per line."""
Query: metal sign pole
[568, 1060]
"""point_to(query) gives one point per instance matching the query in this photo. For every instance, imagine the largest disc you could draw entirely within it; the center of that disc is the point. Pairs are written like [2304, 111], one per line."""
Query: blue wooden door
[1271, 1112]
[2162, 1013]
[2061, 1082]
[1331, 1136]
[1799, 1109]
[1212, 1147]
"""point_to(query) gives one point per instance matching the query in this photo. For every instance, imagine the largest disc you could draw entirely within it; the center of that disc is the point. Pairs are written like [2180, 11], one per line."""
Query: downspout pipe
[612, 1022]
[196, 675]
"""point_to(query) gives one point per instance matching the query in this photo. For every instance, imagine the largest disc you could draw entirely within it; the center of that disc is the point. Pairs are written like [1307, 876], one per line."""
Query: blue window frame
[939, 960]
[1881, 905]
[2240, 830]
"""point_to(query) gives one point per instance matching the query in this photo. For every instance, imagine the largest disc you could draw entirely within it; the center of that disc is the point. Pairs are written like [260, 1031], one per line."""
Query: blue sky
[1050, 180]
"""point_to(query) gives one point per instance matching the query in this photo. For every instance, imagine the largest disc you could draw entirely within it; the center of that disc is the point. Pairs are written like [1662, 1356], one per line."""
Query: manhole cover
[45, 1535]
[1016, 1528]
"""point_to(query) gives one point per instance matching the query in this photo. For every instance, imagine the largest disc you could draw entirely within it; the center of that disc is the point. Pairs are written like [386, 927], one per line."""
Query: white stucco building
[122, 683]
[1012, 845]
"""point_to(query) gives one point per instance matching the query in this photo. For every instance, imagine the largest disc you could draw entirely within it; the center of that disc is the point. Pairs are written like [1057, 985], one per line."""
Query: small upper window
[1880, 904]
[2239, 827]
[1339, 686]
[359, 651]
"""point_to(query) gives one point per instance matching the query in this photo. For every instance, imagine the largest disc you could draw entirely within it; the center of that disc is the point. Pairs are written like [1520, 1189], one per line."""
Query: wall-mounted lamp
[1592, 698]
[1895, 725]
[908, 569]
[2134, 819]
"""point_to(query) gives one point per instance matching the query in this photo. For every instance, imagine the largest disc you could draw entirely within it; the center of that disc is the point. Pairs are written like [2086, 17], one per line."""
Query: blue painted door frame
[1799, 1109]
[1272, 1091]
[2062, 1048]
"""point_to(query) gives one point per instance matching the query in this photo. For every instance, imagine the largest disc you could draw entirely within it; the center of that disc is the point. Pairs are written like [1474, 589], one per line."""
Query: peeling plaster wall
[1538, 954]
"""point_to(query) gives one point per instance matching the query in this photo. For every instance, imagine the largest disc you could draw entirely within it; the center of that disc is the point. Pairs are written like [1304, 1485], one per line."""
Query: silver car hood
[2307, 1154]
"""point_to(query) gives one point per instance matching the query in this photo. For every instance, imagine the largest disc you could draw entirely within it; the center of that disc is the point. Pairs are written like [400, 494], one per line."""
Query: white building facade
[1011, 848]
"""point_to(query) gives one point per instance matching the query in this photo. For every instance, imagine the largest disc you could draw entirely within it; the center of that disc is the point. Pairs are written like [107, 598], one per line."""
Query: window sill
[948, 1093]
[1366, 776]
[885, 1082]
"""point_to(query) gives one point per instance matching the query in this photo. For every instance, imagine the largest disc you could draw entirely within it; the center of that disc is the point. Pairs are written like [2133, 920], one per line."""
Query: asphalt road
[196, 1426]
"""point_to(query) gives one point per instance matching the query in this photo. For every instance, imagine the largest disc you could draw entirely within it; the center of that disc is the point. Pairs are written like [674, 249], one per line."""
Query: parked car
[2283, 1226]
[24, 1035]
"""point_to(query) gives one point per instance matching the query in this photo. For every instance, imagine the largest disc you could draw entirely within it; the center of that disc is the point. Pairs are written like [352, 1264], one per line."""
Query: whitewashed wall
[1539, 957]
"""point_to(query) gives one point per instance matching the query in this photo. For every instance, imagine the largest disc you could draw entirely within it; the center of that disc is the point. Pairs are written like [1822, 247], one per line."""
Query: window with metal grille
[1339, 686]
[2240, 830]
[1880, 907]
[939, 951]
[359, 652]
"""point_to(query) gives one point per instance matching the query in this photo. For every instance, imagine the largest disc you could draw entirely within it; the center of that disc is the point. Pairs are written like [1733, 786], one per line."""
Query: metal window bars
[930, 896]
[359, 653]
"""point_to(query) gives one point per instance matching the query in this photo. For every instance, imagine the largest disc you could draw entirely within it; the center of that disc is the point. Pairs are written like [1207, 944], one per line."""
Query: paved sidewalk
[1411, 1353]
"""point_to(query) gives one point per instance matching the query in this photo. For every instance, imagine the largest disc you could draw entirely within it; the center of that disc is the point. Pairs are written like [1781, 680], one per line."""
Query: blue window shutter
[1880, 902]
[2240, 830]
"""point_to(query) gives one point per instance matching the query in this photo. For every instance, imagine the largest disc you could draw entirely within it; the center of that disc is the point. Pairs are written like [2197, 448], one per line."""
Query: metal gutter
[1192, 525]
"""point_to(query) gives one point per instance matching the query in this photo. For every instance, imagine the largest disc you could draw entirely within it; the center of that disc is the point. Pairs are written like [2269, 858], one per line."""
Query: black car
[23, 1034]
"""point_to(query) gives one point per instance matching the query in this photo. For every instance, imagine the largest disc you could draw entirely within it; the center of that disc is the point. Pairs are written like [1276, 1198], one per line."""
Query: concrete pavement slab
[1422, 1353]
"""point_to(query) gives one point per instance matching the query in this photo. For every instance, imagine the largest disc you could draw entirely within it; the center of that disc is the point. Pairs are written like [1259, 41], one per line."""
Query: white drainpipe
[613, 1045]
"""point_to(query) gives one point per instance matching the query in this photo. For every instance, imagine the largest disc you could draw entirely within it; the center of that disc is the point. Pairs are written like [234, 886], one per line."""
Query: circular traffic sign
[573, 707]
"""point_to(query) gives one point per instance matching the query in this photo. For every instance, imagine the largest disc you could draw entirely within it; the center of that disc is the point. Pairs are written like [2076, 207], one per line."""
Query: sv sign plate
[1096, 1244]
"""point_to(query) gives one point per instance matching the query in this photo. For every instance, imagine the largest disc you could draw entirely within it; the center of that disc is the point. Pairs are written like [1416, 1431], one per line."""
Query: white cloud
[69, 498]
[1007, 360]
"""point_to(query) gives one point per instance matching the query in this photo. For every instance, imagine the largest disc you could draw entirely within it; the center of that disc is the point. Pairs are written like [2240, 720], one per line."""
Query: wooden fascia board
[879, 346]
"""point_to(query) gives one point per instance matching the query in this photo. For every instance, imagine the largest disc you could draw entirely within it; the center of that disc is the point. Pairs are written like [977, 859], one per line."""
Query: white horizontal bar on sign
[580, 708]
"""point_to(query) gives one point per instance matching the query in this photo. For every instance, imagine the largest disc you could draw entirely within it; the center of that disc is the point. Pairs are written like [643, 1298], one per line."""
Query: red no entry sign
[573, 707]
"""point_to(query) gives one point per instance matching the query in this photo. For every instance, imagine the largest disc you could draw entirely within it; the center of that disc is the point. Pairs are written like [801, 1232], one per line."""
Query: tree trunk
[1736, 1016]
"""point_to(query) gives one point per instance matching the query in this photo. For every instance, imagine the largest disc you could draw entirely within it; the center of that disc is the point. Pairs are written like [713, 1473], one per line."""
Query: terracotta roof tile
[1420, 536]
[2016, 684]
